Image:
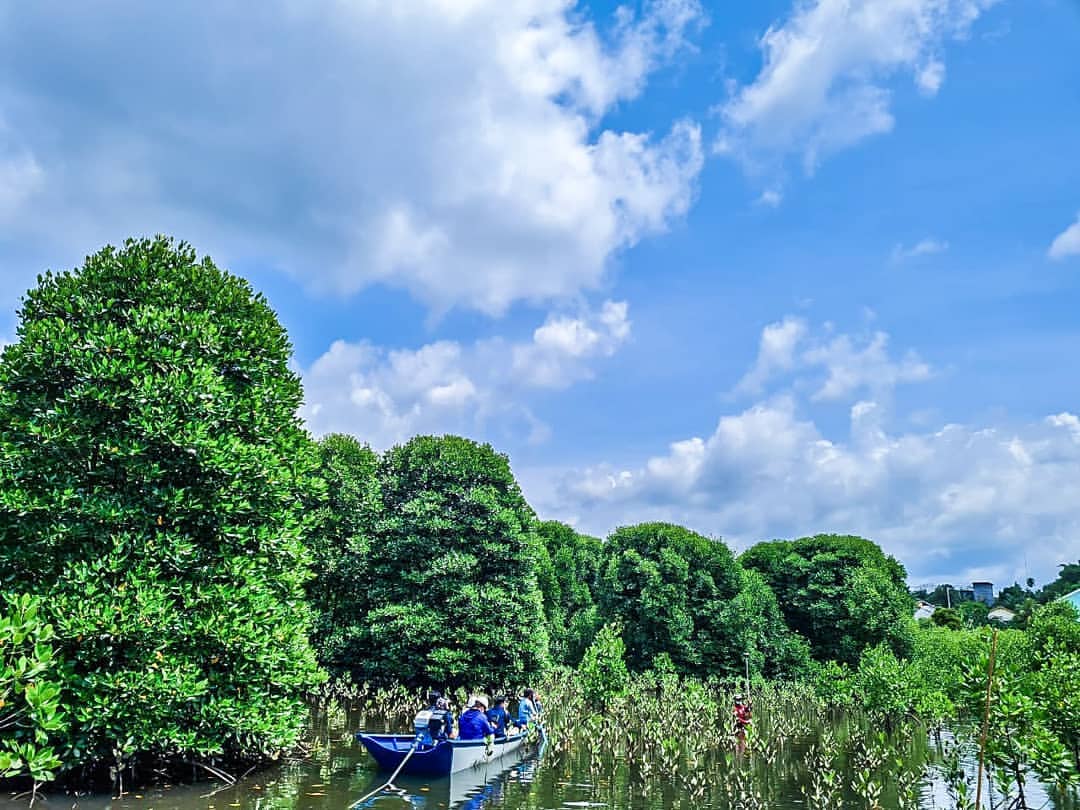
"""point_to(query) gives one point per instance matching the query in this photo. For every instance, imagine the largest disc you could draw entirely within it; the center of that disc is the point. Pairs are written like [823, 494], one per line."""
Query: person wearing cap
[474, 724]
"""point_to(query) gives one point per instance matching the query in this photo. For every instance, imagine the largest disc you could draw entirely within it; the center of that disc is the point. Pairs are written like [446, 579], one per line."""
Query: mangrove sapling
[868, 788]
[957, 781]
[825, 783]
[909, 783]
[1016, 741]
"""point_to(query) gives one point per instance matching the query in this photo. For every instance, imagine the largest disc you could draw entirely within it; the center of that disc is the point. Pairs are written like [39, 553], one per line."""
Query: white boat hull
[471, 753]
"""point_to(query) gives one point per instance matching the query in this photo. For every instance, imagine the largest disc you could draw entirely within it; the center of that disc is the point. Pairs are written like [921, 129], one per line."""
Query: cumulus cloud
[1067, 243]
[831, 366]
[940, 500]
[384, 396]
[776, 353]
[924, 247]
[453, 150]
[953, 502]
[824, 82]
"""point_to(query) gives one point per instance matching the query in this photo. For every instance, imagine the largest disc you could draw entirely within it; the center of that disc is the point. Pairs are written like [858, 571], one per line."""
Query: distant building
[984, 592]
[1001, 614]
[924, 610]
[1073, 599]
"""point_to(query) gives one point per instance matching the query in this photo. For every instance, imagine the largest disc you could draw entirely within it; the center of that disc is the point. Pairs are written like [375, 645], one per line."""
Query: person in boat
[528, 708]
[474, 723]
[437, 721]
[498, 716]
[742, 713]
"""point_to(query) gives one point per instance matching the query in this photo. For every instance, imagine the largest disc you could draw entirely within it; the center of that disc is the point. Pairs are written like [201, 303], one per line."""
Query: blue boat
[440, 758]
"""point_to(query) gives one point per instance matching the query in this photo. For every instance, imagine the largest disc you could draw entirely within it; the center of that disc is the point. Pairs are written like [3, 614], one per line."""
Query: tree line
[181, 562]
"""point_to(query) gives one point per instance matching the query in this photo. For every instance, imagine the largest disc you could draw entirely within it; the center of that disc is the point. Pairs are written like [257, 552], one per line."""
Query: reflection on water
[472, 789]
[771, 774]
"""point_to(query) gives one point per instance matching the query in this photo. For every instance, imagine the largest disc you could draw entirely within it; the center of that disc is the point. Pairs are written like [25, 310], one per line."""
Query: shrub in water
[603, 670]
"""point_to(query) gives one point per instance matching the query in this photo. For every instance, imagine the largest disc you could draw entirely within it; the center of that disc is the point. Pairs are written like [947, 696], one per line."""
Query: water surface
[775, 773]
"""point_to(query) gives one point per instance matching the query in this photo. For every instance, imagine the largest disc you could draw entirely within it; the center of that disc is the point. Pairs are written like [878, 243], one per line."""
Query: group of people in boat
[479, 720]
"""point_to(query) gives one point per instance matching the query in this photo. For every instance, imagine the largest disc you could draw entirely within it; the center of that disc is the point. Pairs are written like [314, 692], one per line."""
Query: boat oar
[389, 782]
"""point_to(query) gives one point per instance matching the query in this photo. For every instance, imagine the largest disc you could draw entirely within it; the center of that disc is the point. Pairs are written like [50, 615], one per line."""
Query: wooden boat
[438, 759]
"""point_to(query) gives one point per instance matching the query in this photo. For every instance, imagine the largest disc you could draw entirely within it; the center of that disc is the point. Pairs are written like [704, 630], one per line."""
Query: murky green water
[771, 773]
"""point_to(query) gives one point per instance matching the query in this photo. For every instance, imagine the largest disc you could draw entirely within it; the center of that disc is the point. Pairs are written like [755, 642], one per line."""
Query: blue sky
[764, 269]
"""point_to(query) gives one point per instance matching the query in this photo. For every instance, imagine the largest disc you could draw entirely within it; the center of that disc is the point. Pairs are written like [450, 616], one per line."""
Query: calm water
[339, 771]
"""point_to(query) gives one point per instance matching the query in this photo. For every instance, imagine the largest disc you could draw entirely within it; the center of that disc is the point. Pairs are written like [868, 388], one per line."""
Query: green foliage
[31, 718]
[947, 617]
[1056, 625]
[345, 517]
[603, 672]
[151, 468]
[884, 683]
[1014, 597]
[754, 616]
[453, 589]
[569, 569]
[841, 593]
[833, 682]
[973, 614]
[1068, 580]
[676, 592]
[1019, 738]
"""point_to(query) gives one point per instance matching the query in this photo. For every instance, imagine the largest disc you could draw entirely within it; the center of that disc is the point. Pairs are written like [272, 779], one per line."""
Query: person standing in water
[743, 714]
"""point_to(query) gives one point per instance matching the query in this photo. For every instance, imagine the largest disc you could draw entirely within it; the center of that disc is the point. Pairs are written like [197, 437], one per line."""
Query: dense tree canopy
[151, 470]
[569, 571]
[453, 584]
[678, 593]
[32, 724]
[345, 513]
[1068, 580]
[841, 593]
[947, 617]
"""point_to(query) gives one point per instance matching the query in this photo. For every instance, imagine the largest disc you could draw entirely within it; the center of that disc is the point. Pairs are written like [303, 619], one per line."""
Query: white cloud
[555, 357]
[952, 502]
[855, 366]
[776, 353]
[770, 198]
[930, 77]
[924, 247]
[945, 502]
[385, 396]
[450, 149]
[851, 364]
[1067, 243]
[824, 82]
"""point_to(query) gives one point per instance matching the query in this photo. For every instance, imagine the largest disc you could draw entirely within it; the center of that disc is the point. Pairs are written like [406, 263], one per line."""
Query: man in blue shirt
[498, 716]
[473, 723]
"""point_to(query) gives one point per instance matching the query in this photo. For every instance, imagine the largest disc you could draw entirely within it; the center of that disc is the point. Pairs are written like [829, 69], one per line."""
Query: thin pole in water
[986, 718]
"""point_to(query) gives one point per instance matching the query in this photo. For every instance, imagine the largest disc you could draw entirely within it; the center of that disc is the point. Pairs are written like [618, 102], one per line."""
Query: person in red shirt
[742, 713]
